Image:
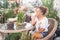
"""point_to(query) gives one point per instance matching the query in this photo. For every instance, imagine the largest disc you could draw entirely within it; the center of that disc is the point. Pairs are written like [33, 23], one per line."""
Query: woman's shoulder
[45, 19]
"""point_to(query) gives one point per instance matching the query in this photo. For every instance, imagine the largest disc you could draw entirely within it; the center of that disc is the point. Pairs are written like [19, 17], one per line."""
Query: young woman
[28, 5]
[41, 23]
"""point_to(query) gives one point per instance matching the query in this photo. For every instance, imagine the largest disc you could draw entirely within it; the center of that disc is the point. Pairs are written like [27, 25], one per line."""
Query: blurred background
[7, 9]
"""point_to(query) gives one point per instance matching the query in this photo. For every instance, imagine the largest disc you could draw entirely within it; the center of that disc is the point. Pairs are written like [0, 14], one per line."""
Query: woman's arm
[33, 21]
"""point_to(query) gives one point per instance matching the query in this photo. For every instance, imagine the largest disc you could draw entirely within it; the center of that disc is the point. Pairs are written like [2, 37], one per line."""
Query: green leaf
[20, 17]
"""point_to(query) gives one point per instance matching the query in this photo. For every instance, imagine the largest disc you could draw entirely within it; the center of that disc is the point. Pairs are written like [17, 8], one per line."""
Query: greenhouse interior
[29, 19]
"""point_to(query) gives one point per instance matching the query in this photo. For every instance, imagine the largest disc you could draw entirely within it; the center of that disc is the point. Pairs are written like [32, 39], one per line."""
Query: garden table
[4, 30]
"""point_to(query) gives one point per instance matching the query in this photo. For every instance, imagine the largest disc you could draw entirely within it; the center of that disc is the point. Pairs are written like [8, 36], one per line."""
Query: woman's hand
[33, 22]
[40, 30]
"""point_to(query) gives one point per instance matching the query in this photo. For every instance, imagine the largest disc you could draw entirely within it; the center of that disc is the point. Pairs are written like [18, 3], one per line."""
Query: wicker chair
[51, 30]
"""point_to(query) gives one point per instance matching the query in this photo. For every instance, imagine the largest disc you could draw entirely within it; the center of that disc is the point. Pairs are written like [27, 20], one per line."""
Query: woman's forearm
[33, 21]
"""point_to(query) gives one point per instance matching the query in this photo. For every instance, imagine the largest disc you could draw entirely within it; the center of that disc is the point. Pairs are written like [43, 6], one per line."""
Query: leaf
[20, 17]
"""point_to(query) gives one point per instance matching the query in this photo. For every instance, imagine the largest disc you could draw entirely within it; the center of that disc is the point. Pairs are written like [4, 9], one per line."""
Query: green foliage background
[47, 3]
[14, 36]
[51, 12]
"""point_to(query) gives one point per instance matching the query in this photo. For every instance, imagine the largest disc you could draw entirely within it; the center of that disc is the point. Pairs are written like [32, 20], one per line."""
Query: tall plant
[13, 5]
[20, 17]
[49, 5]
[10, 14]
[5, 5]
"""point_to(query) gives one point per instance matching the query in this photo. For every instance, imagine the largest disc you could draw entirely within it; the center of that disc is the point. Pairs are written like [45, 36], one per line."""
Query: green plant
[14, 36]
[20, 17]
[13, 5]
[10, 14]
[5, 4]
[51, 12]
[0, 5]
[17, 5]
[0, 12]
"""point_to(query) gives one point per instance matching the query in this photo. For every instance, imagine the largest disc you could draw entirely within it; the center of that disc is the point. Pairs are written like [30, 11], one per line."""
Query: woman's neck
[40, 17]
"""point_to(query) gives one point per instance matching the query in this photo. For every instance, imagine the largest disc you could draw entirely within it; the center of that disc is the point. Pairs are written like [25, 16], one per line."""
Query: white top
[42, 24]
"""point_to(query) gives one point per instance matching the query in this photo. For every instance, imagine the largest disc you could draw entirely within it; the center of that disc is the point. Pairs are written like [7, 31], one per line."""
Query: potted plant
[20, 20]
[20, 17]
[10, 14]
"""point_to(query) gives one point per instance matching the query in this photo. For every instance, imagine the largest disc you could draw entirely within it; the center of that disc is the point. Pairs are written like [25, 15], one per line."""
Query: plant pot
[19, 26]
[10, 26]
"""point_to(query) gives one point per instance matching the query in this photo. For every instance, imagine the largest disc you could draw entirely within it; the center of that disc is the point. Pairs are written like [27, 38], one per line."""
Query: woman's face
[38, 12]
